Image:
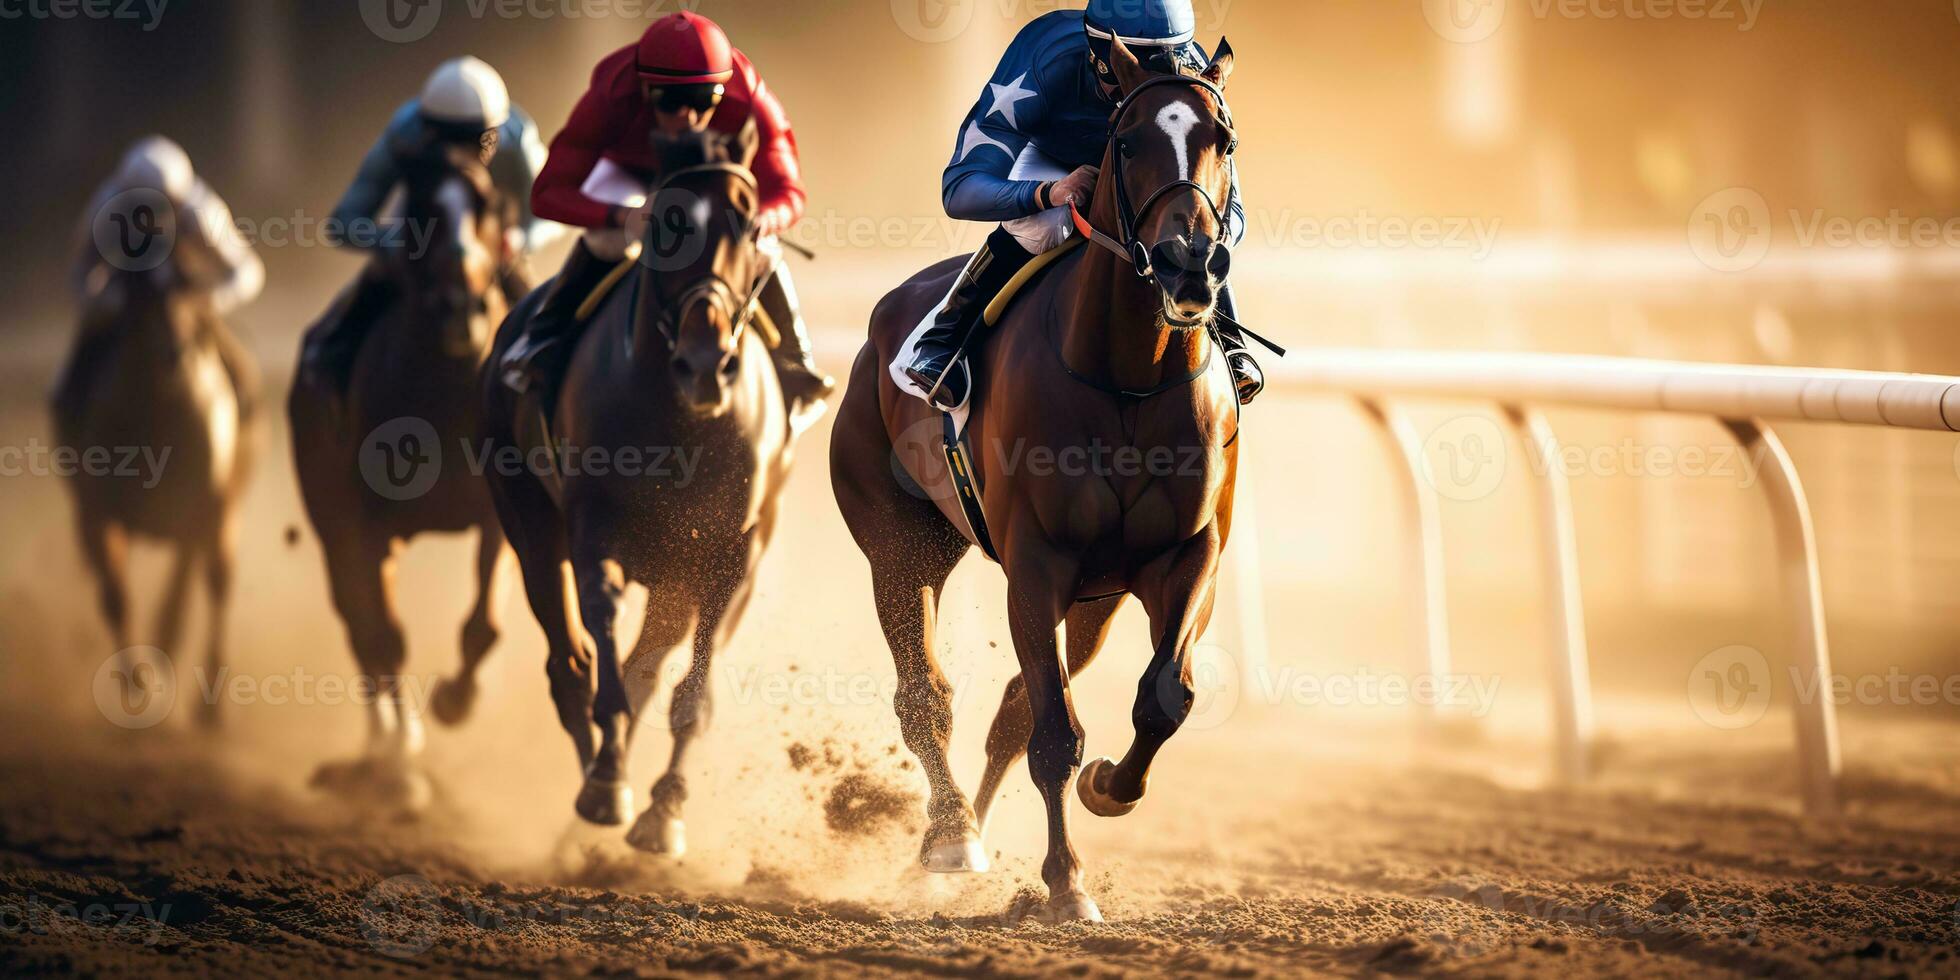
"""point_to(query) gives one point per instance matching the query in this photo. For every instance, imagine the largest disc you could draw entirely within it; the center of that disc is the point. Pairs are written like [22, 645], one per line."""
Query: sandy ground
[1278, 839]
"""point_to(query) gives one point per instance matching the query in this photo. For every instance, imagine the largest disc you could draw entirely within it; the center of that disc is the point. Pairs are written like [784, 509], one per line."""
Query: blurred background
[1487, 174]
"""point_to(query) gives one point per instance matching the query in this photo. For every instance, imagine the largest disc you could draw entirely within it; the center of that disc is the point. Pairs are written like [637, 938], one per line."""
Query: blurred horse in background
[387, 462]
[167, 413]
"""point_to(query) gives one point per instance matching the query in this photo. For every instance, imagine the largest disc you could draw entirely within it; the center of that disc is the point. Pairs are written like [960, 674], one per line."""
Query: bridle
[712, 288]
[1128, 247]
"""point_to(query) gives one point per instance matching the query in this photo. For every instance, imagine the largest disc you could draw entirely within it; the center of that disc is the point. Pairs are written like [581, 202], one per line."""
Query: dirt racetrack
[1277, 840]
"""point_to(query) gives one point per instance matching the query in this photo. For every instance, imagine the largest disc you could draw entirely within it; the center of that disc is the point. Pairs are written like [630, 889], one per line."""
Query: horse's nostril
[731, 366]
[683, 367]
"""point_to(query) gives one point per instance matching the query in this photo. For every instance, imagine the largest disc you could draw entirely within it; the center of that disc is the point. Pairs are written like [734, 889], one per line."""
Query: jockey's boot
[537, 359]
[939, 364]
[330, 355]
[1246, 374]
[804, 384]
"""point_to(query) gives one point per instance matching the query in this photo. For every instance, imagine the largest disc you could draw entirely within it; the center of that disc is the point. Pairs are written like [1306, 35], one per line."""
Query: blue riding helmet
[1153, 30]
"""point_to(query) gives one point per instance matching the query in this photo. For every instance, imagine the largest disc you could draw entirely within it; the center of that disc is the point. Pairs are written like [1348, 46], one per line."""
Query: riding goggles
[674, 98]
[1158, 59]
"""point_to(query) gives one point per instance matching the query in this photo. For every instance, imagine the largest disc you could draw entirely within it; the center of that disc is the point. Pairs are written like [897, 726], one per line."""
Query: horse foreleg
[105, 546]
[605, 798]
[659, 830]
[176, 599]
[363, 573]
[454, 697]
[1176, 592]
[218, 554]
[1041, 588]
[1007, 740]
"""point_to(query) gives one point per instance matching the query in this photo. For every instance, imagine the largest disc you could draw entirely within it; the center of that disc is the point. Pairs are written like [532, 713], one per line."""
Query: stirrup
[1248, 378]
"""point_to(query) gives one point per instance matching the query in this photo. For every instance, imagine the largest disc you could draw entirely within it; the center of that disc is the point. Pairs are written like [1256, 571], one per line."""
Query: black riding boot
[1246, 374]
[538, 357]
[331, 353]
[944, 343]
[803, 382]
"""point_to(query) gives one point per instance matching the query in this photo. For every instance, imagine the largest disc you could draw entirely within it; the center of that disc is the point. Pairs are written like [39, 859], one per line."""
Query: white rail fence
[1744, 399]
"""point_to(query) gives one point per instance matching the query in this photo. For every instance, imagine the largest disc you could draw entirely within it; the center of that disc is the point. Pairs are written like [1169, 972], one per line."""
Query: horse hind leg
[1177, 593]
[1007, 741]
[455, 697]
[605, 798]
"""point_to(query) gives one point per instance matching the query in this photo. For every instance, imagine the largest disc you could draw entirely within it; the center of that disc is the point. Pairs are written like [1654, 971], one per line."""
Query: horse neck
[652, 351]
[1114, 331]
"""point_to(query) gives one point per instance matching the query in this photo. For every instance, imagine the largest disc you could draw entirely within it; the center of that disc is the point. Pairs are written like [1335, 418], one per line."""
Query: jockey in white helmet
[464, 103]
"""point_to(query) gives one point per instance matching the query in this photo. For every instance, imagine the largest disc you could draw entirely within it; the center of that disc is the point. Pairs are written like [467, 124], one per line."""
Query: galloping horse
[1105, 360]
[162, 389]
[679, 398]
[371, 469]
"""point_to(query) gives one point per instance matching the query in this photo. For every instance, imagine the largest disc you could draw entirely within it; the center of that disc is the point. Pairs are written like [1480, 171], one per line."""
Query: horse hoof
[656, 834]
[605, 803]
[1095, 798]
[1073, 907]
[965, 856]
[452, 701]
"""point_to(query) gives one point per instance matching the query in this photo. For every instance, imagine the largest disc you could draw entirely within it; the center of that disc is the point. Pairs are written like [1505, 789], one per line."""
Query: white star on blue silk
[976, 138]
[1006, 97]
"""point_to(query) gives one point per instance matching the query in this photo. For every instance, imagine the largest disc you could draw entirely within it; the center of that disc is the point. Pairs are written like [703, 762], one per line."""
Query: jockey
[206, 254]
[1030, 147]
[466, 104]
[683, 76]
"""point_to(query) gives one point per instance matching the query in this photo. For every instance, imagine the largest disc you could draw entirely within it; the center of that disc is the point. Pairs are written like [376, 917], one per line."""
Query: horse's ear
[1130, 72]
[745, 143]
[1220, 71]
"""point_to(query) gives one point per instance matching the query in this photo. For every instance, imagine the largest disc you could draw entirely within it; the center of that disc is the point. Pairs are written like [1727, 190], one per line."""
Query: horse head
[455, 223]
[701, 268]
[1171, 143]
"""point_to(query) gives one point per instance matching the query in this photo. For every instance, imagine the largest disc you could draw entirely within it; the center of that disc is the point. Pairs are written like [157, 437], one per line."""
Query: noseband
[712, 288]
[1128, 247]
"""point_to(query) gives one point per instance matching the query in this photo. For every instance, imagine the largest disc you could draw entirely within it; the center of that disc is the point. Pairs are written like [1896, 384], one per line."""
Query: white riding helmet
[159, 164]
[466, 92]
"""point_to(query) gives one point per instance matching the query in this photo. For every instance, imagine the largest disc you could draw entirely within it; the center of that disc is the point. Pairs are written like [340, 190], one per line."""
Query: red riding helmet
[686, 48]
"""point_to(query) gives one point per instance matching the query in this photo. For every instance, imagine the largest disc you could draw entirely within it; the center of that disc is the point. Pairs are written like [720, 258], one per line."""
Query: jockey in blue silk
[464, 104]
[1031, 146]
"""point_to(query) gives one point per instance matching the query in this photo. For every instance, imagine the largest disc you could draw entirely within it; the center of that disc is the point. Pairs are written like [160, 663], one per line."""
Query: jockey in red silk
[1030, 146]
[682, 76]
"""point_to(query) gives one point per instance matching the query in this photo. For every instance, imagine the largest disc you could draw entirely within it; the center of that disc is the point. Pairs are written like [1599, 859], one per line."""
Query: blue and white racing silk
[1042, 116]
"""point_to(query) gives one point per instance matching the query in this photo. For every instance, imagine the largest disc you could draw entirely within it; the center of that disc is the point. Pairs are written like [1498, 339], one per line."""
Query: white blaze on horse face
[1178, 120]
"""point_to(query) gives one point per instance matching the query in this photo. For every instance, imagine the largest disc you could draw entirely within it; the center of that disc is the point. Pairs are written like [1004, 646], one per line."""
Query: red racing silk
[612, 121]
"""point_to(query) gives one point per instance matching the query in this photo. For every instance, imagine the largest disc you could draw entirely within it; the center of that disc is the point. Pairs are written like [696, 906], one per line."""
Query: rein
[712, 288]
[1128, 248]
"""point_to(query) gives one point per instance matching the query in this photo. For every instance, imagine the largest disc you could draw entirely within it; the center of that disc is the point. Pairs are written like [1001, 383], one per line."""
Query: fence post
[1426, 553]
[1572, 709]
[1818, 758]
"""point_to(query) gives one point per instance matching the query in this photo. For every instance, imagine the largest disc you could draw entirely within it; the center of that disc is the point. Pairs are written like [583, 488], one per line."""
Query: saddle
[958, 448]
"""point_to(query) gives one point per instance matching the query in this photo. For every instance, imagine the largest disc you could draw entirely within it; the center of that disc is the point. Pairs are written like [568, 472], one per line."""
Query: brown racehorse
[1104, 361]
[673, 415]
[389, 461]
[162, 388]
